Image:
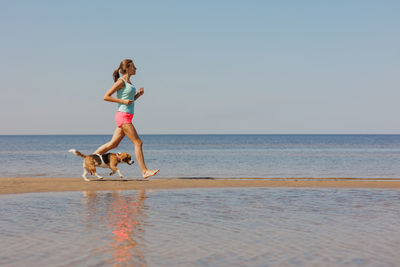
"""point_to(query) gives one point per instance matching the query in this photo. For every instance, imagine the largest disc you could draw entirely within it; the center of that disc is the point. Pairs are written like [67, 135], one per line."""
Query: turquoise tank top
[128, 92]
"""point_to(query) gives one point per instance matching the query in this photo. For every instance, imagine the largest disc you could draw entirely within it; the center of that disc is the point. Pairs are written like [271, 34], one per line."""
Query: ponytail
[116, 74]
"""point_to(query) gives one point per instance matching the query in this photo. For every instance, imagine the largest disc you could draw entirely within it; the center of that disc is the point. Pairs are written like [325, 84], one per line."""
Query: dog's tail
[76, 152]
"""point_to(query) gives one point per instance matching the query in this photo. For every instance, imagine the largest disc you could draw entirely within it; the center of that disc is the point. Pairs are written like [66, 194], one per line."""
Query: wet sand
[28, 185]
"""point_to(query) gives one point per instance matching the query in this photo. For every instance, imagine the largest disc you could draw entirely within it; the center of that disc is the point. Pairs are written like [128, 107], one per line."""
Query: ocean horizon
[213, 155]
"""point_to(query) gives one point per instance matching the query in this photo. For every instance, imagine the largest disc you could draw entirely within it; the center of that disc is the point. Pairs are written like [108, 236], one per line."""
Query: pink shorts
[123, 118]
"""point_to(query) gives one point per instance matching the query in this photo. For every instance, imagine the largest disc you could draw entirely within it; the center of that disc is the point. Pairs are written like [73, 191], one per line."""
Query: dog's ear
[126, 157]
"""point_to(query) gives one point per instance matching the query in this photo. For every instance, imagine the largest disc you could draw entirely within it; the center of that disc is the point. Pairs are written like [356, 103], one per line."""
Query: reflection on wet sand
[124, 217]
[208, 227]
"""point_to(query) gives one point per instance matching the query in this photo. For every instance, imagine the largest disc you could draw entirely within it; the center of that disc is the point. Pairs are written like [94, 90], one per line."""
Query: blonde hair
[123, 68]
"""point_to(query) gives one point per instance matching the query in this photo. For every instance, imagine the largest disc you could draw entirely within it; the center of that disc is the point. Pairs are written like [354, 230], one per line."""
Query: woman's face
[132, 69]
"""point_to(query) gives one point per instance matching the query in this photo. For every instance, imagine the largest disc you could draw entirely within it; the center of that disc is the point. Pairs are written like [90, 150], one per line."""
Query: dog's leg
[90, 164]
[120, 174]
[84, 175]
[95, 173]
[112, 173]
[113, 167]
[98, 176]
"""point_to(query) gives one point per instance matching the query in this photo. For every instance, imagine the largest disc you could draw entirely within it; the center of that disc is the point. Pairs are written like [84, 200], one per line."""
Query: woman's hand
[141, 91]
[126, 102]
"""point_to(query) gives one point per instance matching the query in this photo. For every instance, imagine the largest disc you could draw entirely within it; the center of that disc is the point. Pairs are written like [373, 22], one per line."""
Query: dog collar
[118, 158]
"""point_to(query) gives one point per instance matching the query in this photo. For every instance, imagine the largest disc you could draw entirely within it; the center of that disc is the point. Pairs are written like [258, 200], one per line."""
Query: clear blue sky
[206, 66]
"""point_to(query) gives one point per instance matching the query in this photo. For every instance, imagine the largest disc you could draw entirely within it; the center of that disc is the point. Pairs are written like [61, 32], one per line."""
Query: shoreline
[17, 185]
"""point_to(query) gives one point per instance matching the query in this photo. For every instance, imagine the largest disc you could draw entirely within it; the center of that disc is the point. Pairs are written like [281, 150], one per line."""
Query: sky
[207, 67]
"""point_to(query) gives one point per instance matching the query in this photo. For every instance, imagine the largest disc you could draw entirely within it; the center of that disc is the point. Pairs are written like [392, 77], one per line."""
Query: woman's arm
[119, 84]
[139, 94]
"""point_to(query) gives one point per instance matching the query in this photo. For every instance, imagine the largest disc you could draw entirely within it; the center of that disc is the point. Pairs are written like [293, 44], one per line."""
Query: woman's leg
[130, 132]
[113, 143]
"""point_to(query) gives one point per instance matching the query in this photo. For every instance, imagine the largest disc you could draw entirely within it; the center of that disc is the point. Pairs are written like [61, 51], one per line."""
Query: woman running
[126, 97]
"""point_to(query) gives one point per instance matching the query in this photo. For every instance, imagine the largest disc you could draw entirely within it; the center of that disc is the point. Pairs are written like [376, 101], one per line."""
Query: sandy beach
[28, 185]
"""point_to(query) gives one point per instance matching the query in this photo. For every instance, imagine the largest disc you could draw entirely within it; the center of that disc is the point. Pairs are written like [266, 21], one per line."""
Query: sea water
[218, 156]
[202, 227]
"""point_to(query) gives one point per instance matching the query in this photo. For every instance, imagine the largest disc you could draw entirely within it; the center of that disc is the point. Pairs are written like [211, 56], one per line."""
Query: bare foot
[150, 173]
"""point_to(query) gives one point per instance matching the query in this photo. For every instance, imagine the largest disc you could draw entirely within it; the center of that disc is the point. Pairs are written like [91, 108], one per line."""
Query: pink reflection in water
[124, 218]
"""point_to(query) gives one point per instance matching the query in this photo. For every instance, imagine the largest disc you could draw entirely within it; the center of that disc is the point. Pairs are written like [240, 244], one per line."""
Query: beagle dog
[108, 160]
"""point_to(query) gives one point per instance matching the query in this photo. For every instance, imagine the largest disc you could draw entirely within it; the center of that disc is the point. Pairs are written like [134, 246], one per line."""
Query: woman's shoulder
[119, 84]
[121, 80]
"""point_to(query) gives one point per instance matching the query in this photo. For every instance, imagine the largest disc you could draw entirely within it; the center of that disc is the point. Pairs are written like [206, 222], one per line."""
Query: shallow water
[265, 156]
[202, 227]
